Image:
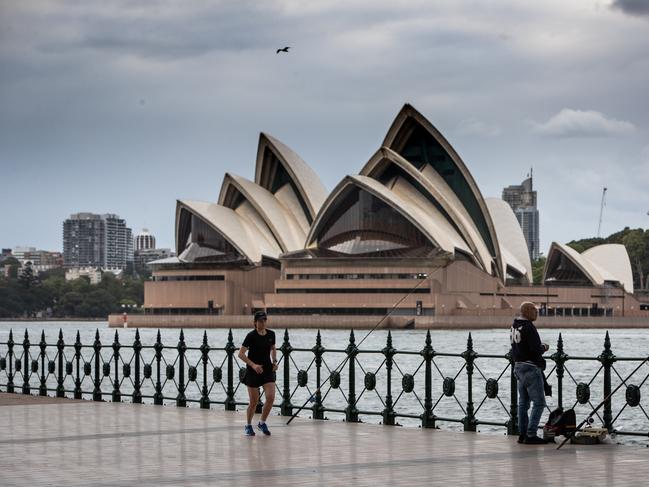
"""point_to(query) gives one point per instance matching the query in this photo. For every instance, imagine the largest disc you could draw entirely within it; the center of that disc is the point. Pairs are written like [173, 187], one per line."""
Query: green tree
[586, 243]
[538, 266]
[27, 277]
[637, 245]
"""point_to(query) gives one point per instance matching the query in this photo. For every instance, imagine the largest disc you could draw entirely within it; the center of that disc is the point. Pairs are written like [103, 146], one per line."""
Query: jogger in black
[261, 364]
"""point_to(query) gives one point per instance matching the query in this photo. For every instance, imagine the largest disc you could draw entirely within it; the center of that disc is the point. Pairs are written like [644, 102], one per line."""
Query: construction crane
[601, 212]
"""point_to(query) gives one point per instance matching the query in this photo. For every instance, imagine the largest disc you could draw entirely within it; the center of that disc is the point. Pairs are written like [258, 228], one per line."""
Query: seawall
[368, 322]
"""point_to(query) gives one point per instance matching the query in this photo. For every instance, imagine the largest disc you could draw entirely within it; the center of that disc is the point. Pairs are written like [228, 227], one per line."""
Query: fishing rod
[589, 418]
[342, 364]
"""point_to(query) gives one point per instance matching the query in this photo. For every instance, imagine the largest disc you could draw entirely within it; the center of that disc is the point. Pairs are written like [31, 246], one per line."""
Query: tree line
[24, 294]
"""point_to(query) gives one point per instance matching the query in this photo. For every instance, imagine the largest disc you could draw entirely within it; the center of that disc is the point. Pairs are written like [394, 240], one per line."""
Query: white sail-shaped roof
[612, 261]
[264, 210]
[434, 189]
[433, 225]
[450, 167]
[510, 237]
[576, 258]
[237, 231]
[282, 172]
[608, 263]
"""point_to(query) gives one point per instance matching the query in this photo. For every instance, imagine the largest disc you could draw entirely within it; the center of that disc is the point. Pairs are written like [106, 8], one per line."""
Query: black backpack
[561, 422]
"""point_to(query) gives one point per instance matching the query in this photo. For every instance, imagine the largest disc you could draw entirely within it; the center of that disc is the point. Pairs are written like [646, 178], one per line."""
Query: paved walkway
[80, 443]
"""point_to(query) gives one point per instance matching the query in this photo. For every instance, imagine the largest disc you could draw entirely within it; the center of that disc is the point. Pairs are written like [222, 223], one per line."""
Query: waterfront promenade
[62, 442]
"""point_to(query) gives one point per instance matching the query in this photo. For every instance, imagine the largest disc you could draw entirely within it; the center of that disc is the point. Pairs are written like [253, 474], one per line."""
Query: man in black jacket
[527, 352]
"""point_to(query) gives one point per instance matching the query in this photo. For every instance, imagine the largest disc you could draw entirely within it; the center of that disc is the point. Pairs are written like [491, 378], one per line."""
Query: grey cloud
[169, 37]
[172, 32]
[632, 7]
[473, 126]
[583, 123]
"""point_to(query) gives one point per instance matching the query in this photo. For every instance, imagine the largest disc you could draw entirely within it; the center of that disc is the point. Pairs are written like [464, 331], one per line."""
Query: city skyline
[123, 108]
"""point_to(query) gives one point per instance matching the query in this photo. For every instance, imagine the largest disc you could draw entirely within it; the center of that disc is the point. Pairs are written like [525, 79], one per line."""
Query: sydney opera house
[411, 229]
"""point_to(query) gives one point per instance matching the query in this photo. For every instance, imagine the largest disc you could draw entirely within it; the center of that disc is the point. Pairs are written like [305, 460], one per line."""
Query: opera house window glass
[362, 224]
[422, 148]
[274, 177]
[562, 271]
[201, 243]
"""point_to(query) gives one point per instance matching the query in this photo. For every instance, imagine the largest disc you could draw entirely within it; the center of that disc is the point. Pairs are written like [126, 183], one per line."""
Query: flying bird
[285, 49]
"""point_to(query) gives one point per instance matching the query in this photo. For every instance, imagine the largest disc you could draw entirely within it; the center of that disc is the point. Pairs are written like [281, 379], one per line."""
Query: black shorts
[253, 379]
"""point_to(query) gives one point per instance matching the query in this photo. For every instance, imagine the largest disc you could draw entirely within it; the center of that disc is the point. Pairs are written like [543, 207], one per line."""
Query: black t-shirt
[259, 347]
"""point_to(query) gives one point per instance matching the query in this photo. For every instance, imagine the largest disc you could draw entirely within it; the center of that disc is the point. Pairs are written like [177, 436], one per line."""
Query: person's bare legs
[269, 394]
[253, 399]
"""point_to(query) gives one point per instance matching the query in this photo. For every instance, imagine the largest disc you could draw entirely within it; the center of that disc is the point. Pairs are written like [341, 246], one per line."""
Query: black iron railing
[424, 386]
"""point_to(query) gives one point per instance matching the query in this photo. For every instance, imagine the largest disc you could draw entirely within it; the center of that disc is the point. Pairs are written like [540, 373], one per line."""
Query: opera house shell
[411, 228]
[602, 265]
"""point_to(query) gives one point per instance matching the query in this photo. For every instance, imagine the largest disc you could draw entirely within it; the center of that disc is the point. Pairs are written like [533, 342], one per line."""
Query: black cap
[260, 315]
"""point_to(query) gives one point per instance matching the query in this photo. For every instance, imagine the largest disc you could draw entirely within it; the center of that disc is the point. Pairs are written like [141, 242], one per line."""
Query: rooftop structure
[144, 240]
[144, 256]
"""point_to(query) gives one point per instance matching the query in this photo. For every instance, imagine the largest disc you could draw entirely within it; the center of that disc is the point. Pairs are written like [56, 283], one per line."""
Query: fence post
[137, 349]
[181, 400]
[77, 357]
[512, 424]
[230, 403]
[286, 407]
[428, 418]
[205, 350]
[26, 389]
[96, 393]
[60, 345]
[157, 396]
[42, 390]
[318, 350]
[469, 356]
[388, 413]
[351, 413]
[560, 359]
[607, 358]
[117, 395]
[10, 374]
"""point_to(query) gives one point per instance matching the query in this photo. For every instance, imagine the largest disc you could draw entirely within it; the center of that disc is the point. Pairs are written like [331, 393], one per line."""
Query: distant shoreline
[369, 322]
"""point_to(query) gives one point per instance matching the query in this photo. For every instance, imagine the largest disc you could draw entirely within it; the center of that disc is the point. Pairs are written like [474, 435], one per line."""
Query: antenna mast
[601, 212]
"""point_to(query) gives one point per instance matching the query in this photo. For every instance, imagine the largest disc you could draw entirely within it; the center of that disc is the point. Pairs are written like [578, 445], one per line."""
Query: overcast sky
[124, 106]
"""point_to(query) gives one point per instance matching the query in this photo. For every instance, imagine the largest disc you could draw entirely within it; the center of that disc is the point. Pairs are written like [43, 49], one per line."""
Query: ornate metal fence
[424, 386]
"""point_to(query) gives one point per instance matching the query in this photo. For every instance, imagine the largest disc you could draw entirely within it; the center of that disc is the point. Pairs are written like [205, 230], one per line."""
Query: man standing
[527, 352]
[259, 354]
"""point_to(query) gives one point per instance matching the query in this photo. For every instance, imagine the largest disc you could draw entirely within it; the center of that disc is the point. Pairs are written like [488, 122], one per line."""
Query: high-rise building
[522, 199]
[144, 240]
[97, 240]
